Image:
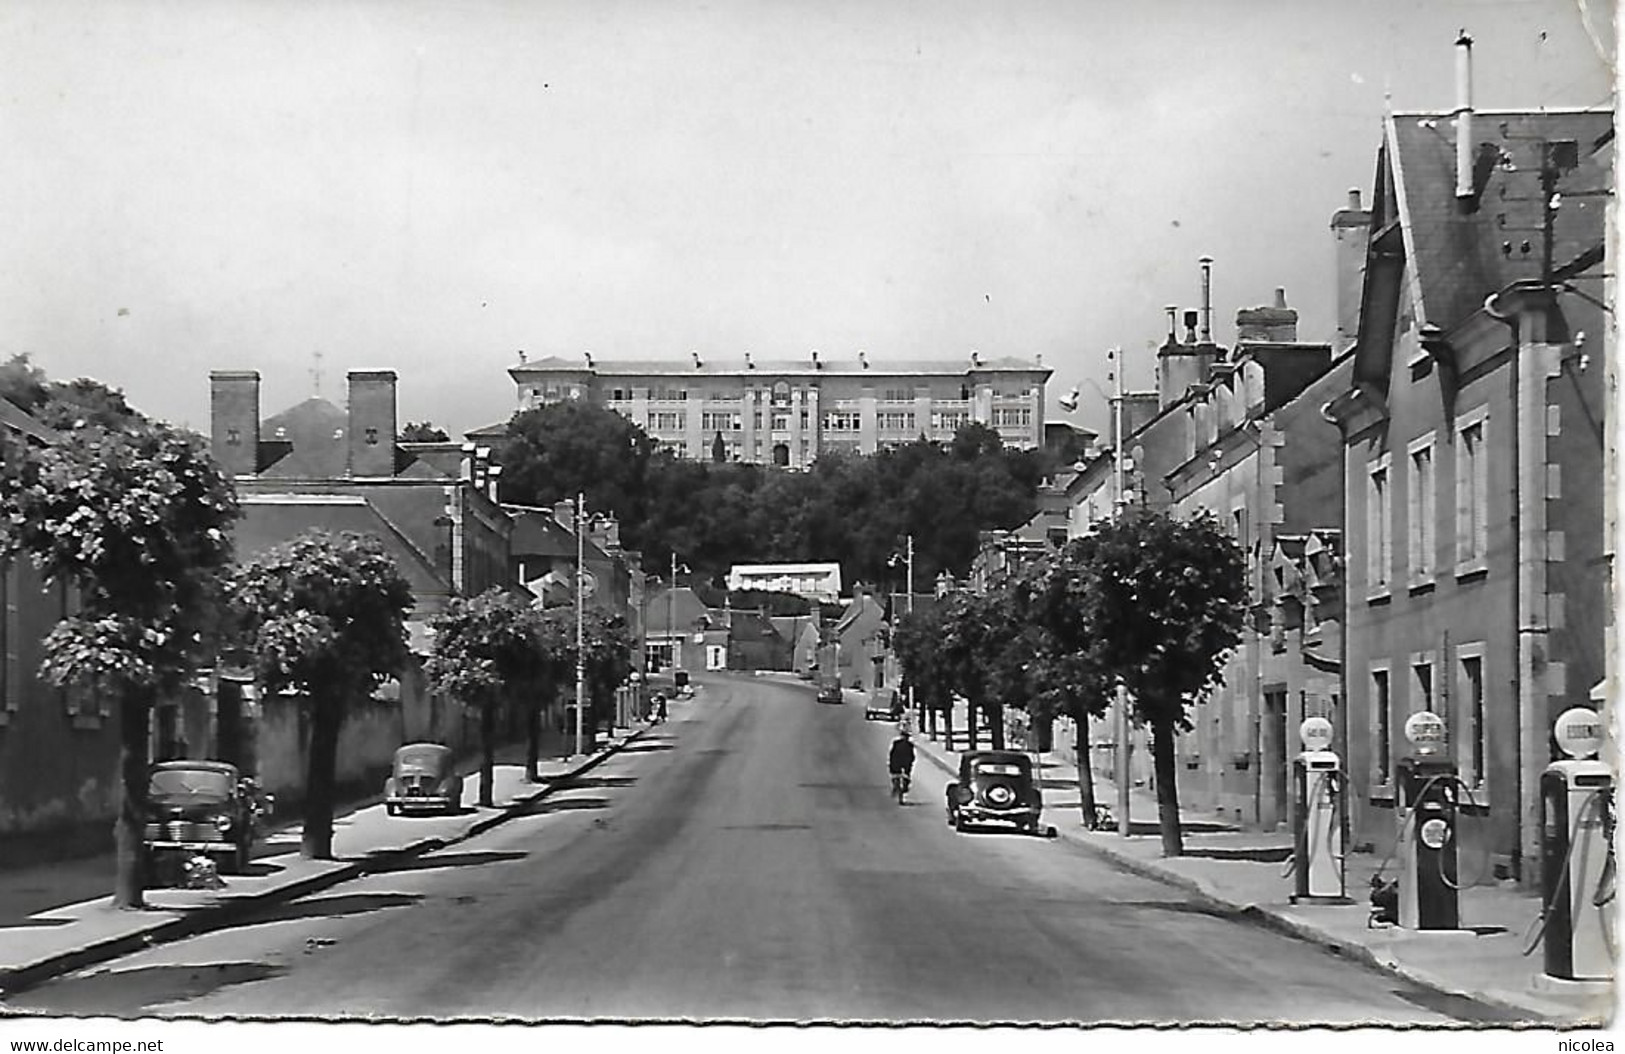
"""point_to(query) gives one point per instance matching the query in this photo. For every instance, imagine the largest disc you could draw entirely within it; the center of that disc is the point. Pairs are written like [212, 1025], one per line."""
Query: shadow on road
[550, 805]
[647, 748]
[599, 781]
[437, 860]
[129, 993]
[336, 907]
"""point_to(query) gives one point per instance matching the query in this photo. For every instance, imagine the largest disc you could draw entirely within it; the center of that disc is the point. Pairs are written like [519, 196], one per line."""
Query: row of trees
[1147, 604]
[854, 509]
[137, 517]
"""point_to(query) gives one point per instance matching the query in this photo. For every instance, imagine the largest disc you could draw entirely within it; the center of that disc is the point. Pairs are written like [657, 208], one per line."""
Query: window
[1012, 417]
[667, 421]
[1381, 729]
[1378, 527]
[1421, 513]
[719, 421]
[895, 421]
[949, 420]
[781, 421]
[841, 421]
[1472, 740]
[1421, 682]
[1472, 495]
[897, 395]
[668, 395]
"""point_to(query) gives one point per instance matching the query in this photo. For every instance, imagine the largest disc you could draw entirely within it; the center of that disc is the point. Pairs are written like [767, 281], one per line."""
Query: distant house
[676, 628]
[861, 644]
[754, 643]
[814, 581]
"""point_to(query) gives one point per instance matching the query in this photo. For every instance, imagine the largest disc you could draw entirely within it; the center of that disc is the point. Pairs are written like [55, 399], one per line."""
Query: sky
[305, 188]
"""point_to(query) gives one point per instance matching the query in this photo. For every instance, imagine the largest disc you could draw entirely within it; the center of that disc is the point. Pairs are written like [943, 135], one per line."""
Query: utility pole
[1119, 500]
[671, 612]
[581, 618]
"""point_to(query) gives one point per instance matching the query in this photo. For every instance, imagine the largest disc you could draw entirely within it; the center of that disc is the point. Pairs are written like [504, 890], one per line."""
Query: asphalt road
[744, 861]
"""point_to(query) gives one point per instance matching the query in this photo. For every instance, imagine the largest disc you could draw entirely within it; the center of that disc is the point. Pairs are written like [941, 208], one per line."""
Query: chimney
[1466, 200]
[863, 358]
[465, 468]
[749, 365]
[815, 362]
[1349, 228]
[1277, 324]
[234, 420]
[491, 475]
[372, 423]
[1207, 299]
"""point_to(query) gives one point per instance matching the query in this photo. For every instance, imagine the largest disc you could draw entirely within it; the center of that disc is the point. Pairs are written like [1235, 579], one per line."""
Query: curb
[1274, 920]
[212, 917]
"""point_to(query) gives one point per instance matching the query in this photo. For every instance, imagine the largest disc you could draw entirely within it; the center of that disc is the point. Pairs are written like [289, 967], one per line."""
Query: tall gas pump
[1427, 788]
[1317, 776]
[1577, 854]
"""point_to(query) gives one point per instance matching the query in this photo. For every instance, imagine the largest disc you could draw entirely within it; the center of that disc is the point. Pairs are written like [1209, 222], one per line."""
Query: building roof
[17, 419]
[686, 610]
[767, 369]
[272, 518]
[1459, 258]
[307, 441]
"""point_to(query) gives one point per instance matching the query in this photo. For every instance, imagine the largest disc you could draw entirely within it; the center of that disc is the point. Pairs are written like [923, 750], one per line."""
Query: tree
[423, 432]
[969, 643]
[561, 449]
[1162, 604]
[136, 516]
[325, 615]
[918, 644]
[487, 648]
[1073, 683]
[555, 641]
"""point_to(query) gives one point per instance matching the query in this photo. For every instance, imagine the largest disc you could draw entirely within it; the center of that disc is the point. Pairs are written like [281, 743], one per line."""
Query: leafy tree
[1162, 603]
[423, 432]
[487, 648]
[324, 614]
[1072, 682]
[136, 516]
[24, 383]
[969, 642]
[561, 449]
[556, 644]
[917, 642]
[609, 660]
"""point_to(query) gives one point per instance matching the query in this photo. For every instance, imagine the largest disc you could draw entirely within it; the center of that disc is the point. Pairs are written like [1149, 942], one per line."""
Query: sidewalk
[39, 940]
[1244, 872]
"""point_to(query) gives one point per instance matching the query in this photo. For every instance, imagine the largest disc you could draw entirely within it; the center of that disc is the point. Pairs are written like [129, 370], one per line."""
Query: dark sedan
[995, 787]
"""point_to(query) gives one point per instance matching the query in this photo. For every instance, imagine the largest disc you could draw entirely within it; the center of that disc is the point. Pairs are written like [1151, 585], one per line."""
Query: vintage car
[424, 780]
[200, 809]
[883, 704]
[830, 692]
[995, 787]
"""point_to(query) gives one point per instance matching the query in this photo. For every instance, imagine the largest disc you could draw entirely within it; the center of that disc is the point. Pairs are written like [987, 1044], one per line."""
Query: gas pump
[1427, 787]
[1577, 819]
[1318, 778]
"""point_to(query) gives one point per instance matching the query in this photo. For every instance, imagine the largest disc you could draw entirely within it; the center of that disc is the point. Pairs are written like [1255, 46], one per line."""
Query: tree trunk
[947, 727]
[326, 718]
[1086, 773]
[229, 726]
[1162, 753]
[488, 751]
[973, 738]
[129, 876]
[995, 724]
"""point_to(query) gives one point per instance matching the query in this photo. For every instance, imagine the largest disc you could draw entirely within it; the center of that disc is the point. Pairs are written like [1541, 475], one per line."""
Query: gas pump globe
[1318, 780]
[1577, 855]
[1427, 840]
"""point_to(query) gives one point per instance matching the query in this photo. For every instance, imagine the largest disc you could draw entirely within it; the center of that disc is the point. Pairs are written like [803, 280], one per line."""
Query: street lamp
[908, 560]
[1115, 357]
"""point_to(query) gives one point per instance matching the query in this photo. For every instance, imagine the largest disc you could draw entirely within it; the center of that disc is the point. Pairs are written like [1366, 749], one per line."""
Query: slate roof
[306, 441]
[19, 420]
[1458, 259]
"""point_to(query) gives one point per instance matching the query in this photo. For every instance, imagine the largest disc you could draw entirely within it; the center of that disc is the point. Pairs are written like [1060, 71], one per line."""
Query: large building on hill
[787, 413]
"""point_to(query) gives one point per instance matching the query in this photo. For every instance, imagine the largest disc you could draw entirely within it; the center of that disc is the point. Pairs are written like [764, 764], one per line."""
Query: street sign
[1578, 732]
[1316, 733]
[1426, 731]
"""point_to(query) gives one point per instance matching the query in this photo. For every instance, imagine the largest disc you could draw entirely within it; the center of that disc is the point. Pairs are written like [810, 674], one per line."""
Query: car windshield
[190, 783]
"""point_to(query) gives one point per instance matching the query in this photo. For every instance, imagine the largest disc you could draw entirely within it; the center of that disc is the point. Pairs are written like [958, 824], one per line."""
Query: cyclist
[900, 762]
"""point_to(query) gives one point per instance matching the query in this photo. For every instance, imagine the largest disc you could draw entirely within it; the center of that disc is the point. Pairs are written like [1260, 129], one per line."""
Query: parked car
[424, 780]
[830, 692]
[201, 809]
[995, 787]
[884, 704]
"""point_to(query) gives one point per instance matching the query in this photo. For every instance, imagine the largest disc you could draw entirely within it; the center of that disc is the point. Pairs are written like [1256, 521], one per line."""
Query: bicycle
[899, 786]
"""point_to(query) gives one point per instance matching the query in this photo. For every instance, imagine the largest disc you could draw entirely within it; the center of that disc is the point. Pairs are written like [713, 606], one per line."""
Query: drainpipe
[1528, 582]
